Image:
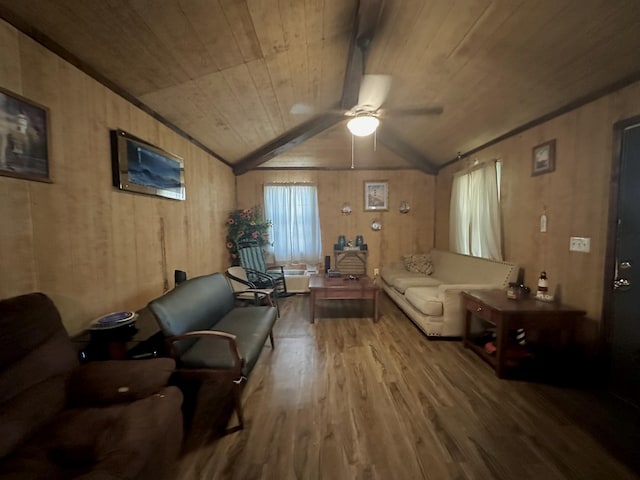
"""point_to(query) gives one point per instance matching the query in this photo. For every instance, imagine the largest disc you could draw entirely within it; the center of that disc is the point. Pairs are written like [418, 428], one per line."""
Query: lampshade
[363, 125]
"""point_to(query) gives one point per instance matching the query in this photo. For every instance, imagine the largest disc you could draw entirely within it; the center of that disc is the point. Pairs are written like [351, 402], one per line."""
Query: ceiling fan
[364, 94]
[362, 98]
[366, 113]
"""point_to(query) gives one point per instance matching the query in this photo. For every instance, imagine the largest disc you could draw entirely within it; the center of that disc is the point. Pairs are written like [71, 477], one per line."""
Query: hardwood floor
[349, 399]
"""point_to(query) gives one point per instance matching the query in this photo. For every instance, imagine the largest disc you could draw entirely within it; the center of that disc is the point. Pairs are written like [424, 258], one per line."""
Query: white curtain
[295, 230]
[474, 221]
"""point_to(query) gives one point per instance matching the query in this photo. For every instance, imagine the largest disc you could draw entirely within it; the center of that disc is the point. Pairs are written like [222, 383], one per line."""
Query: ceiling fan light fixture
[363, 125]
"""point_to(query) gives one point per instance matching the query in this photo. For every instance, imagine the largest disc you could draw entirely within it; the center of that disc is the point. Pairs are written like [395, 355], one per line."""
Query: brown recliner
[114, 419]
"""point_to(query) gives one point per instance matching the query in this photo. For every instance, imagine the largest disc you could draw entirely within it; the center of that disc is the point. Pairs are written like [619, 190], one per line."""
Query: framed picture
[24, 134]
[544, 158]
[141, 167]
[376, 196]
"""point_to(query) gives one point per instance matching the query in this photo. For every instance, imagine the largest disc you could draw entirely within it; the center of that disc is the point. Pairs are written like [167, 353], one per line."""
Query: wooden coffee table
[323, 288]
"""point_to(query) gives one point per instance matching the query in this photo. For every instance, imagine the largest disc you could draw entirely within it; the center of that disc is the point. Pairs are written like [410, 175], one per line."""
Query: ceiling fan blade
[373, 91]
[411, 111]
[301, 108]
[364, 29]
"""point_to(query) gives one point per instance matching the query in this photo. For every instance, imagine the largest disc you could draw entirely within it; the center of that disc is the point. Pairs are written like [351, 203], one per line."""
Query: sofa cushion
[36, 357]
[119, 381]
[402, 283]
[400, 279]
[425, 300]
[25, 413]
[391, 273]
[418, 263]
[107, 442]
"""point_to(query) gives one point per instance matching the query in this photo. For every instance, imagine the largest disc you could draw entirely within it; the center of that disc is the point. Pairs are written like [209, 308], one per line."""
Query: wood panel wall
[90, 247]
[400, 234]
[576, 196]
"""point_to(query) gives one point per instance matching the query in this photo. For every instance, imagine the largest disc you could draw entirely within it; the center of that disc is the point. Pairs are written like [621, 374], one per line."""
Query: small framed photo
[544, 158]
[24, 134]
[376, 196]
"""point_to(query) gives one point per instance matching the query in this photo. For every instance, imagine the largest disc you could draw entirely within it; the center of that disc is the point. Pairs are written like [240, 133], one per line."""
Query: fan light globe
[363, 125]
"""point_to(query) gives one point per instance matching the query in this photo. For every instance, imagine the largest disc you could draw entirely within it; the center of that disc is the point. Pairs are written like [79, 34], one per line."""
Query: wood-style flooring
[349, 399]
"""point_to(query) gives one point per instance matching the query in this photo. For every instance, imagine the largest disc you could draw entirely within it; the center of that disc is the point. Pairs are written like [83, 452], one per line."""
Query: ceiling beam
[287, 140]
[393, 142]
[366, 21]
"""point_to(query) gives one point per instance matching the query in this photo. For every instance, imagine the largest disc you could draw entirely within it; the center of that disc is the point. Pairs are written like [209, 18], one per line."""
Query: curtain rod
[284, 184]
[476, 166]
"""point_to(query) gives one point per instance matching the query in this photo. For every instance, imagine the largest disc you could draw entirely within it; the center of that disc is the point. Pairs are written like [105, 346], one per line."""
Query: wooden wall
[576, 195]
[92, 248]
[400, 234]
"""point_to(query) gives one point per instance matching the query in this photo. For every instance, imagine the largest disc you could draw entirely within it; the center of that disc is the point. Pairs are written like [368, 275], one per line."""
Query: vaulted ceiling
[259, 82]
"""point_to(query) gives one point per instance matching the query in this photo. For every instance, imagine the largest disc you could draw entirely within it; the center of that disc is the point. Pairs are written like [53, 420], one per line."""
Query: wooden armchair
[248, 292]
[259, 273]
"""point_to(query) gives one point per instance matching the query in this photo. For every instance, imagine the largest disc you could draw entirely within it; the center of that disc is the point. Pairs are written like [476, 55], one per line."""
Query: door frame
[610, 255]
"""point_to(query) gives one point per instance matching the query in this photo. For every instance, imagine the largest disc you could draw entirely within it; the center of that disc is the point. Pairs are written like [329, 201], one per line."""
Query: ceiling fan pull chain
[352, 151]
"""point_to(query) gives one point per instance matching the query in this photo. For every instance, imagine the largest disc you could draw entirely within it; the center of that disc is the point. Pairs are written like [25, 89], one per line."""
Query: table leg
[467, 328]
[375, 306]
[313, 305]
[502, 340]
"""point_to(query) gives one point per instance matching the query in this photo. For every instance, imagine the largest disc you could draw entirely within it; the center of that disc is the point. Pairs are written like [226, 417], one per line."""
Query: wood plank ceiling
[237, 74]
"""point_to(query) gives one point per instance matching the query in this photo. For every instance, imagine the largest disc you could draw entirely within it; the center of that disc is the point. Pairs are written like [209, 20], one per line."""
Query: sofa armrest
[228, 337]
[115, 381]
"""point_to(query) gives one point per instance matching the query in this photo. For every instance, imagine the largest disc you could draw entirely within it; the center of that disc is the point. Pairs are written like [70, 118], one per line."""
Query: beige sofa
[434, 302]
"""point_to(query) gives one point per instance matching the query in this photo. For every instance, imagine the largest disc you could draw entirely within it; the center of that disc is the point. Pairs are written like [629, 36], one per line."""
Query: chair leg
[271, 338]
[237, 401]
[275, 300]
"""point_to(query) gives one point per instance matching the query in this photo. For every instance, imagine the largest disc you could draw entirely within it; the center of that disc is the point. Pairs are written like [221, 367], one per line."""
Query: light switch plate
[580, 244]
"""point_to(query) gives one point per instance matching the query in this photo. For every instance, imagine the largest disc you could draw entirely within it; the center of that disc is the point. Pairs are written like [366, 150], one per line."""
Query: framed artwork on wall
[376, 195]
[544, 158]
[141, 167]
[24, 138]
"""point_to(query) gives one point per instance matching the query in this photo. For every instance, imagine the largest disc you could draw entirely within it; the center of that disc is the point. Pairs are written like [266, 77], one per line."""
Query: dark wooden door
[624, 321]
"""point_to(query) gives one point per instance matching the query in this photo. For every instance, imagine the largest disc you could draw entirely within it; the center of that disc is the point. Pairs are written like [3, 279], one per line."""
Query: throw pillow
[418, 263]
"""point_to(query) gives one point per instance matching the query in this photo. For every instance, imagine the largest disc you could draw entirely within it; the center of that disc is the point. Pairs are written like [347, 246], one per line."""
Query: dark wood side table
[143, 340]
[506, 314]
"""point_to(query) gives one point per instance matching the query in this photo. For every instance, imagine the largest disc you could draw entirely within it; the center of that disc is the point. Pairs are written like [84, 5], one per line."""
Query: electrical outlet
[580, 244]
[376, 272]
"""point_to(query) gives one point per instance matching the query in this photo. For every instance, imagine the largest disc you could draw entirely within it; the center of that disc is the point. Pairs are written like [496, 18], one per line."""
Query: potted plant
[246, 226]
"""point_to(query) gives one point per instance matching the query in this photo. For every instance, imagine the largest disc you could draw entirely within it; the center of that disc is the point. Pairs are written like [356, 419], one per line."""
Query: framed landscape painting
[24, 133]
[141, 167]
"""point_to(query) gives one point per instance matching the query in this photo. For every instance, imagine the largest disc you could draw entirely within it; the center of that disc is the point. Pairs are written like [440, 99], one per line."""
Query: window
[474, 221]
[295, 230]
